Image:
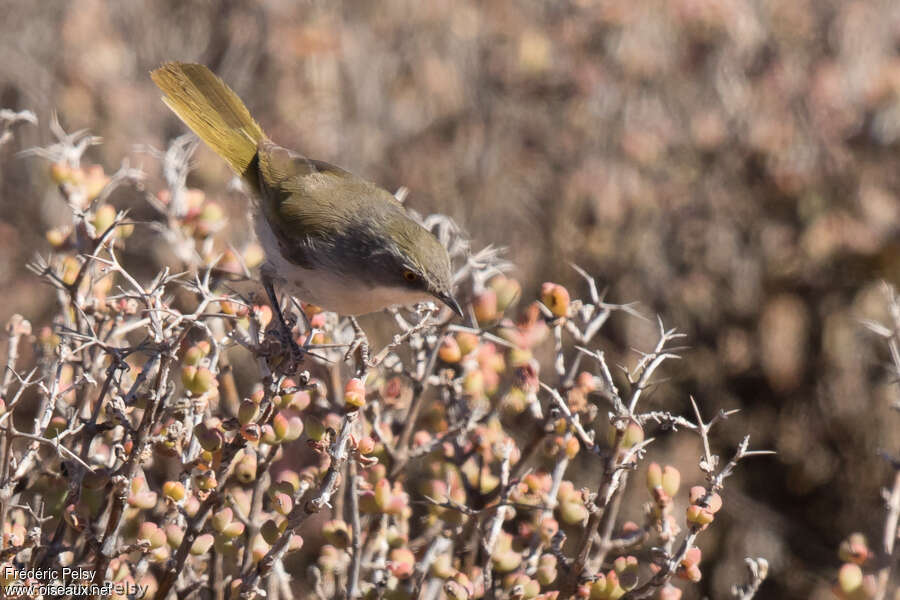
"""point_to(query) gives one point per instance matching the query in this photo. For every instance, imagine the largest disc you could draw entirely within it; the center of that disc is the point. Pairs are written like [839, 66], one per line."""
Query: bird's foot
[360, 343]
[297, 355]
[284, 330]
[287, 352]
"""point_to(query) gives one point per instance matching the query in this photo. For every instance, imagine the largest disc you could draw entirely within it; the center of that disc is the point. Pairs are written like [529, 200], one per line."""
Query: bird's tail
[212, 110]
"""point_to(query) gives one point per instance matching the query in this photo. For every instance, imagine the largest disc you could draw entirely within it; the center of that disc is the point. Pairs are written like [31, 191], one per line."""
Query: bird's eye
[410, 276]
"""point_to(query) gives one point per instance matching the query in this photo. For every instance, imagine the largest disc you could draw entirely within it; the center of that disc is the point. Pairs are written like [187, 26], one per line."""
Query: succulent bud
[150, 534]
[60, 173]
[521, 586]
[188, 372]
[506, 561]
[712, 502]
[174, 490]
[598, 589]
[546, 571]
[196, 353]
[507, 289]
[449, 351]
[854, 549]
[366, 445]
[210, 220]
[401, 563]
[455, 591]
[696, 493]
[573, 513]
[282, 503]
[202, 544]
[693, 556]
[104, 216]
[295, 543]
[258, 548]
[56, 426]
[354, 394]
[245, 470]
[315, 429]
[467, 342]
[691, 573]
[556, 298]
[626, 568]
[297, 400]
[210, 438]
[699, 516]
[473, 383]
[634, 435]
[144, 499]
[174, 535]
[198, 380]
[271, 531]
[247, 412]
[654, 476]
[191, 505]
[572, 447]
[616, 590]
[279, 425]
[222, 518]
[233, 530]
[671, 480]
[206, 480]
[94, 181]
[850, 578]
[485, 307]
[294, 425]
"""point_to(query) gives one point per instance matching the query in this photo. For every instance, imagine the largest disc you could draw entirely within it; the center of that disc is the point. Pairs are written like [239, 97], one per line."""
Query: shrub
[438, 464]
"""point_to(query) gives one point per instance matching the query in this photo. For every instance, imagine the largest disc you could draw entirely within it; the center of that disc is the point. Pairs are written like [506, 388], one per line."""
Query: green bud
[505, 562]
[654, 476]
[671, 481]
[174, 490]
[247, 412]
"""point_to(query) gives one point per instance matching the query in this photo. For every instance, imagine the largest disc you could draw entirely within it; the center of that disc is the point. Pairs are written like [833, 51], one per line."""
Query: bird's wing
[309, 202]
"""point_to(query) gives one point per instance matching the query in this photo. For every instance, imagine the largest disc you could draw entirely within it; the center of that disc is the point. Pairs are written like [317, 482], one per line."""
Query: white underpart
[327, 289]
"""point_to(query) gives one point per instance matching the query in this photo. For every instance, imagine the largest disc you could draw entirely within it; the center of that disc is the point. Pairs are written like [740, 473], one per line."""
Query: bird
[330, 238]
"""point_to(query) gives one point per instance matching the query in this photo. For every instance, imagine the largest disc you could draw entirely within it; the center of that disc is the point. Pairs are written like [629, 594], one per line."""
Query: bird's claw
[297, 353]
[287, 347]
[360, 342]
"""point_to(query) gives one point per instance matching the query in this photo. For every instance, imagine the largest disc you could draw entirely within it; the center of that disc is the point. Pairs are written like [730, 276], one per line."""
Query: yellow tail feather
[212, 110]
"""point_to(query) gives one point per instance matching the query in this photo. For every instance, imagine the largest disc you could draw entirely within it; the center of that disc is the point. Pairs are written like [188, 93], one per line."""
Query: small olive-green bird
[332, 238]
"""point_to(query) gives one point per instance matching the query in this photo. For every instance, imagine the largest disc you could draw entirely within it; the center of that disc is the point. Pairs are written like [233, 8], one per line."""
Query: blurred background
[732, 165]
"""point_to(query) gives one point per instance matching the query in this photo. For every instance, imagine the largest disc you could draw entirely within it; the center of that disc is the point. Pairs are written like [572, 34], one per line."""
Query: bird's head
[416, 262]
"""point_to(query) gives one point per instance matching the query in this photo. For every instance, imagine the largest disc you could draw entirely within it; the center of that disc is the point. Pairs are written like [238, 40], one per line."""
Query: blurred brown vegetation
[730, 164]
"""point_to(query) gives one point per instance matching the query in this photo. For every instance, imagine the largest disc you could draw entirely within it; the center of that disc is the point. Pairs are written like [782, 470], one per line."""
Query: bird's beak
[450, 301]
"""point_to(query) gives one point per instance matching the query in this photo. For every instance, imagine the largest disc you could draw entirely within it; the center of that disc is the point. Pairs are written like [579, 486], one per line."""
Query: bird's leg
[296, 351]
[306, 323]
[360, 342]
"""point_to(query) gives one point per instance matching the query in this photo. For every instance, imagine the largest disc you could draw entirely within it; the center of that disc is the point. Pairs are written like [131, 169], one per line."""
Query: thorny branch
[162, 409]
